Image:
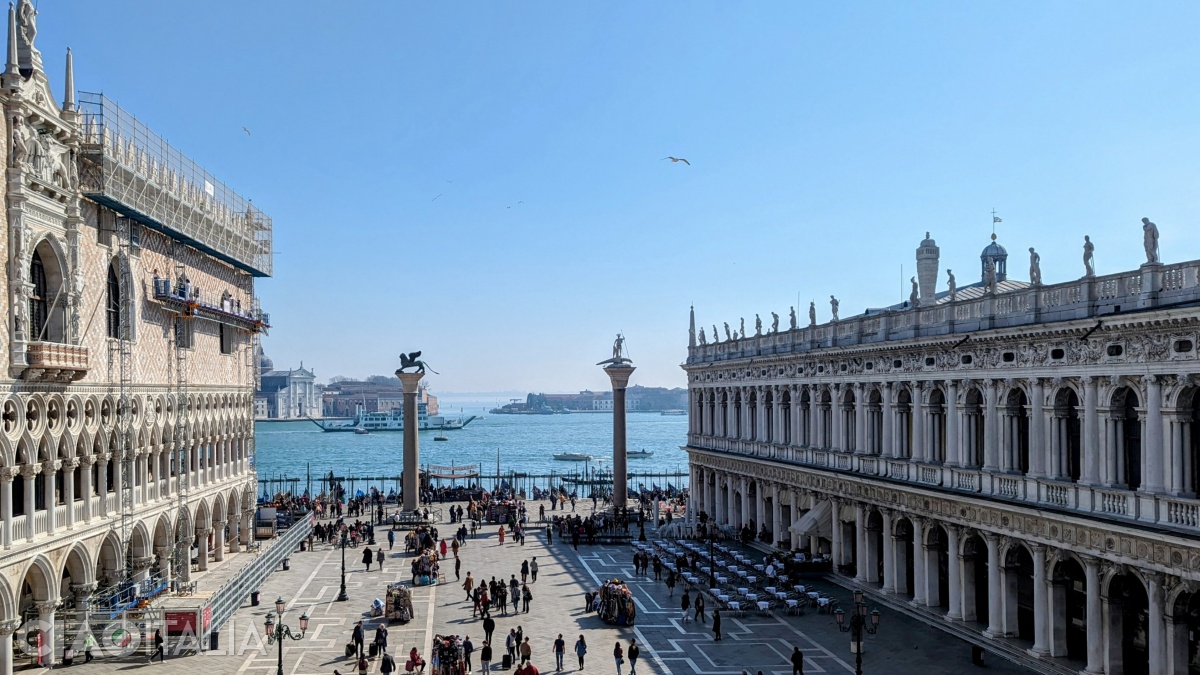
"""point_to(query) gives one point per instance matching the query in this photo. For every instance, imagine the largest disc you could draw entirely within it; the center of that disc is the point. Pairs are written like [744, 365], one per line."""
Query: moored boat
[572, 457]
[639, 453]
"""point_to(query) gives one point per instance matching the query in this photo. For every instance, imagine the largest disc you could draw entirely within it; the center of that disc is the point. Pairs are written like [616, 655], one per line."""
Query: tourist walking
[510, 643]
[716, 625]
[391, 539]
[468, 649]
[501, 533]
[379, 558]
[485, 657]
[580, 650]
[797, 661]
[560, 647]
[533, 568]
[386, 663]
[526, 596]
[526, 651]
[469, 587]
[670, 583]
[524, 571]
[489, 627]
[700, 607]
[457, 567]
[158, 648]
[634, 651]
[619, 657]
[381, 633]
[357, 637]
[685, 604]
[367, 557]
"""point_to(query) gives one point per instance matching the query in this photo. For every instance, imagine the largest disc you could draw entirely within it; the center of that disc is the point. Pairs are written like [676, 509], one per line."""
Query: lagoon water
[526, 444]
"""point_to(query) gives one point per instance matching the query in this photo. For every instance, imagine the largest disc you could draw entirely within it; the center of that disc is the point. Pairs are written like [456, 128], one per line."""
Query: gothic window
[37, 301]
[112, 304]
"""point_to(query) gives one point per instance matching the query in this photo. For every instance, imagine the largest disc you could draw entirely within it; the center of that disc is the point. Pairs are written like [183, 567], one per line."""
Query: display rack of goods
[616, 603]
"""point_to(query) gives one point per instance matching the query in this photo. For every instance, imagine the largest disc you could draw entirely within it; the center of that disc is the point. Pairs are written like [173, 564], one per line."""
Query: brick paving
[903, 645]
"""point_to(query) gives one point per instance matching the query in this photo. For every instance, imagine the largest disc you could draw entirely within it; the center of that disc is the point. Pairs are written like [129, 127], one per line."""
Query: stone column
[50, 469]
[219, 540]
[919, 453]
[1091, 433]
[761, 432]
[29, 472]
[889, 442]
[955, 599]
[164, 561]
[860, 419]
[1152, 446]
[991, 453]
[1156, 644]
[919, 570]
[860, 544]
[45, 612]
[889, 552]
[619, 374]
[69, 490]
[202, 548]
[411, 487]
[235, 520]
[6, 510]
[795, 518]
[1041, 609]
[760, 507]
[85, 485]
[745, 490]
[797, 438]
[102, 483]
[995, 628]
[1037, 430]
[141, 568]
[835, 535]
[730, 506]
[7, 628]
[776, 516]
[953, 442]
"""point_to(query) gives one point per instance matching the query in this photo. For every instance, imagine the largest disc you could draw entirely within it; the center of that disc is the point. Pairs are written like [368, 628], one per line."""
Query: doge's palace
[126, 408]
[1007, 457]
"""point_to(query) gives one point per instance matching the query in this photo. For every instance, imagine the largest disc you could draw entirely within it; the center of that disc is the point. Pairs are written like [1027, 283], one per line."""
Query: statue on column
[618, 345]
[914, 298]
[757, 325]
[1150, 240]
[1089, 267]
[774, 322]
[27, 23]
[812, 313]
[952, 285]
[793, 317]
[833, 307]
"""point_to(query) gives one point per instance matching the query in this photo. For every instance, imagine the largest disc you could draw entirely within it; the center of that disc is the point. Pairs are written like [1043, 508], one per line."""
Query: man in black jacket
[489, 626]
[797, 661]
[485, 657]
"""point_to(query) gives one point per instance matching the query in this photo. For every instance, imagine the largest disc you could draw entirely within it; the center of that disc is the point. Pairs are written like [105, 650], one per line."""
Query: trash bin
[977, 655]
[254, 598]
[303, 546]
[287, 564]
[214, 640]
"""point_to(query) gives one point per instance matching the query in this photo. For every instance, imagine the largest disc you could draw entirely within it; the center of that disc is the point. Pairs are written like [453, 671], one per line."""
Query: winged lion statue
[412, 360]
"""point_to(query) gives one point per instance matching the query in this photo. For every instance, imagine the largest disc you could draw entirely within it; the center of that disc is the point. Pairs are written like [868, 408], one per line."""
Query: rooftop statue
[1089, 266]
[989, 276]
[727, 335]
[757, 325]
[812, 313]
[793, 318]
[833, 307]
[716, 335]
[774, 322]
[1035, 267]
[702, 340]
[1150, 240]
[952, 285]
[411, 360]
[27, 22]
[742, 329]
[914, 298]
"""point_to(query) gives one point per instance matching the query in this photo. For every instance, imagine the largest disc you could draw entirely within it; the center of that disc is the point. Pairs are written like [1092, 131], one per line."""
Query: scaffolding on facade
[130, 169]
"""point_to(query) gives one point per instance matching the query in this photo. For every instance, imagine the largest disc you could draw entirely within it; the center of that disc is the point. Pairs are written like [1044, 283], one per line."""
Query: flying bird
[435, 198]
[246, 130]
[678, 159]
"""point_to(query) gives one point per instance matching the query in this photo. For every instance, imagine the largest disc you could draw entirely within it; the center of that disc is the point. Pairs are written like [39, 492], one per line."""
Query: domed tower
[927, 269]
[265, 365]
[999, 257]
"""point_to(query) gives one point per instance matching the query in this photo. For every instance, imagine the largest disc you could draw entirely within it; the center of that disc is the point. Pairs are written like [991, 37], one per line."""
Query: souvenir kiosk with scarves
[616, 603]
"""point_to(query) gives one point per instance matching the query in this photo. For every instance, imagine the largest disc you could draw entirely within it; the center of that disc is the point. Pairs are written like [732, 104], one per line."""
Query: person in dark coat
[685, 604]
[357, 637]
[485, 656]
[379, 558]
[387, 664]
[489, 627]
[716, 625]
[367, 557]
[797, 661]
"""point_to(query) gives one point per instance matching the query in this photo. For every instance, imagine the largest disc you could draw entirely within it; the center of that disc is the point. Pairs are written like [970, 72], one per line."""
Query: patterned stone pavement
[669, 645]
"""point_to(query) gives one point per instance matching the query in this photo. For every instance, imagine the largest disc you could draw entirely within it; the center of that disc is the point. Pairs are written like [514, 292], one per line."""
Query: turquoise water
[525, 443]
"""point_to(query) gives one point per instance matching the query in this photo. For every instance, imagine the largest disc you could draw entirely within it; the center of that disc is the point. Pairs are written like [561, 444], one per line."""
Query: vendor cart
[616, 603]
[425, 569]
[398, 605]
[448, 656]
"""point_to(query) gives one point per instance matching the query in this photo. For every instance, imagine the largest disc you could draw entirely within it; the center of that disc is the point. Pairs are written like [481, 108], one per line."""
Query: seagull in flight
[435, 198]
[246, 130]
[678, 159]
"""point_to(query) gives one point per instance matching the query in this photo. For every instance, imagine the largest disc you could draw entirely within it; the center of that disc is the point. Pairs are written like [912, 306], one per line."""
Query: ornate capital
[83, 589]
[1149, 380]
[51, 465]
[87, 461]
[70, 463]
[45, 607]
[9, 627]
[31, 470]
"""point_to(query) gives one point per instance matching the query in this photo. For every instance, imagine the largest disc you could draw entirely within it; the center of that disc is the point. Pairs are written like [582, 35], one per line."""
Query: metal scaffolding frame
[130, 169]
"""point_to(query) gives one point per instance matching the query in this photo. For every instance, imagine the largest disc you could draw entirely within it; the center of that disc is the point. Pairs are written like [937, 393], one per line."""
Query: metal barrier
[229, 597]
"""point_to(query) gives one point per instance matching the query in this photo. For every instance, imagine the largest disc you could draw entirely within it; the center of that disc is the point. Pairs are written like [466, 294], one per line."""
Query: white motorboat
[573, 457]
[639, 453]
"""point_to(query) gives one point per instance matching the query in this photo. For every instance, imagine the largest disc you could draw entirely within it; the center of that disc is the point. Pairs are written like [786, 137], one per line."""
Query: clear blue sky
[825, 139]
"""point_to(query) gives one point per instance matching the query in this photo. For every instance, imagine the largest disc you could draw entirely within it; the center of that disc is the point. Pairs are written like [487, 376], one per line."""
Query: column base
[1098, 671]
[993, 636]
[950, 617]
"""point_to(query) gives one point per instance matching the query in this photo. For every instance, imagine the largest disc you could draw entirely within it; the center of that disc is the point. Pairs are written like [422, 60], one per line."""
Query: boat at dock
[393, 420]
[639, 453]
[573, 457]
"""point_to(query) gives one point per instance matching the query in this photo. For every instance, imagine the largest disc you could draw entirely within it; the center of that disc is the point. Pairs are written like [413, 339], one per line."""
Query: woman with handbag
[619, 657]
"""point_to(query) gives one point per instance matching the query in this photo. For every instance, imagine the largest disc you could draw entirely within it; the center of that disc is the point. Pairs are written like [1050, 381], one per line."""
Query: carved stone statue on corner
[1035, 267]
[757, 325]
[1089, 267]
[989, 276]
[793, 318]
[812, 313]
[774, 322]
[833, 307]
[20, 149]
[950, 283]
[716, 335]
[1150, 240]
[702, 340]
[914, 298]
[727, 335]
[742, 328]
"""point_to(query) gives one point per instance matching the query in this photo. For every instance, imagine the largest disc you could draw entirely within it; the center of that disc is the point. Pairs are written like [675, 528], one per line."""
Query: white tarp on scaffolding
[817, 522]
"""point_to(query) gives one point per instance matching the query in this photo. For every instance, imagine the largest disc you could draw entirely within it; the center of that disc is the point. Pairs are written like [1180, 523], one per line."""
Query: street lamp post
[861, 620]
[277, 632]
[342, 597]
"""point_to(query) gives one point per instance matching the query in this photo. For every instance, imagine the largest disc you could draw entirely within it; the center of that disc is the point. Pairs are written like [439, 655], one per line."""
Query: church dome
[999, 257]
[264, 362]
[993, 250]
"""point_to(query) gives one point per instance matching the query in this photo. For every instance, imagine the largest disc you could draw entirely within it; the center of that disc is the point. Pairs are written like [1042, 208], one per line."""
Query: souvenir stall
[427, 568]
[448, 656]
[499, 511]
[616, 603]
[398, 605]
